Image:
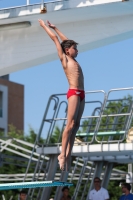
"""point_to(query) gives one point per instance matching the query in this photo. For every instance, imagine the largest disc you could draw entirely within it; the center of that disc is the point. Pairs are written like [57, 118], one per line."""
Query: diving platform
[24, 43]
[116, 153]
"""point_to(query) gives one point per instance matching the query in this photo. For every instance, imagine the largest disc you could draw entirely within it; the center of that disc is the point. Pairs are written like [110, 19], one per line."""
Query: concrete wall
[15, 107]
[92, 24]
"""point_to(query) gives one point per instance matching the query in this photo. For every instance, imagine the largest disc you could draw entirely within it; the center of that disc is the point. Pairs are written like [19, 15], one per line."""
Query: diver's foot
[62, 162]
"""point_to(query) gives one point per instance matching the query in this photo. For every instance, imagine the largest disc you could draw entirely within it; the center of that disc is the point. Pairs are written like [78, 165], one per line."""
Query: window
[0, 104]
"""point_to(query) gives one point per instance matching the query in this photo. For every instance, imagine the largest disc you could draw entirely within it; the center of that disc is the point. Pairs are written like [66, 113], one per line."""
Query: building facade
[11, 105]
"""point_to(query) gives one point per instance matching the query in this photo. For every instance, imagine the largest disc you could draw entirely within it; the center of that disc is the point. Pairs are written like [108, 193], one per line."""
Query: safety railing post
[28, 2]
[42, 4]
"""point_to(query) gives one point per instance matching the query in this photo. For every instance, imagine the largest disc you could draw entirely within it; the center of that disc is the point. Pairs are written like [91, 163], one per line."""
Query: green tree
[15, 164]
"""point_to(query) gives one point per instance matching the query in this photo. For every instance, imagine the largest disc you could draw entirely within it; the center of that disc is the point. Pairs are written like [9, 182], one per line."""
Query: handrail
[99, 114]
[29, 2]
[108, 133]
[55, 115]
[130, 114]
[26, 3]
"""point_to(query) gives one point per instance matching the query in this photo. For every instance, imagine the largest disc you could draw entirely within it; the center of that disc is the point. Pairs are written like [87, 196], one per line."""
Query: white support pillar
[107, 174]
[63, 178]
[50, 176]
[129, 176]
[97, 172]
[42, 4]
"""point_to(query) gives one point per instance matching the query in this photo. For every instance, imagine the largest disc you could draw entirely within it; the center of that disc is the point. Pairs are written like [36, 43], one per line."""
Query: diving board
[37, 184]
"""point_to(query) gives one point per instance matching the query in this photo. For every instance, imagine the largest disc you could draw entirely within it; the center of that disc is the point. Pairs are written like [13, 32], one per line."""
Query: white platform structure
[103, 143]
[91, 157]
[25, 44]
[116, 153]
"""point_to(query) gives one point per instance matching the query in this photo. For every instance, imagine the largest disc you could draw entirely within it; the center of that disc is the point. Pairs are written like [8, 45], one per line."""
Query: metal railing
[101, 120]
[6, 4]
[122, 109]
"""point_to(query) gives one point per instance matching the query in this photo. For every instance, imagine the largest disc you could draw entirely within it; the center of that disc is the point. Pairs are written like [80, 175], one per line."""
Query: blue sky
[104, 68]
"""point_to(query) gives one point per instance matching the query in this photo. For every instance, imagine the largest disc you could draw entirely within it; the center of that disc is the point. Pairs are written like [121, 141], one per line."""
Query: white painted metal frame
[42, 3]
[118, 152]
[99, 117]
[28, 2]
[10, 146]
[116, 174]
[123, 114]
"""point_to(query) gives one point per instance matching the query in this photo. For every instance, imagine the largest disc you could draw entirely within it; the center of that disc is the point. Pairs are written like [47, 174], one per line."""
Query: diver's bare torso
[73, 73]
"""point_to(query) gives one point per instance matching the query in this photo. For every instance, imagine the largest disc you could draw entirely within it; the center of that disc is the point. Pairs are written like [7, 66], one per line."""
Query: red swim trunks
[80, 93]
